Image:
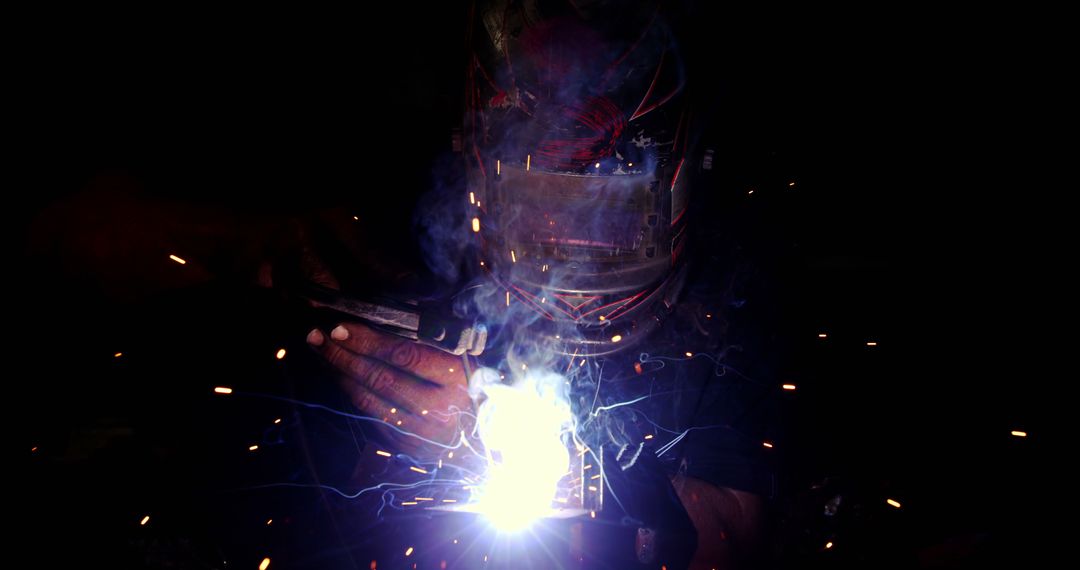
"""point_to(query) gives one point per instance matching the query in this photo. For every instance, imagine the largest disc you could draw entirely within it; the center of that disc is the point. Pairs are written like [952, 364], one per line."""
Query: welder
[575, 231]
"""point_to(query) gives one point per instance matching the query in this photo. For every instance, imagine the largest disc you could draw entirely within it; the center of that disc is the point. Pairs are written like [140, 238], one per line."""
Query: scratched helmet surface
[576, 145]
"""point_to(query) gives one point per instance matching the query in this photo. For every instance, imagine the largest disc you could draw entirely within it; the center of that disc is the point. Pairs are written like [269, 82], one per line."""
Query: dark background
[919, 219]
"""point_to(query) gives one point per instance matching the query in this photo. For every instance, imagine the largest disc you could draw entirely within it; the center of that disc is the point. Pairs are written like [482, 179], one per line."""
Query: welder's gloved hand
[415, 388]
[639, 489]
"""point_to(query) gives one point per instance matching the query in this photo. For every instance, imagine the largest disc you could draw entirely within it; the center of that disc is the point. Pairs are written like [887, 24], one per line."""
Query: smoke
[440, 222]
[567, 117]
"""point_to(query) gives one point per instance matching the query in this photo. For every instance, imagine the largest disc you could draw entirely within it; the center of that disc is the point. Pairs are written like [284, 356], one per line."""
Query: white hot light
[524, 428]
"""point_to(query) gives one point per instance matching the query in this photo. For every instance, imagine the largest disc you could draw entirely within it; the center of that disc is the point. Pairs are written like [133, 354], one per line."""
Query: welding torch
[427, 324]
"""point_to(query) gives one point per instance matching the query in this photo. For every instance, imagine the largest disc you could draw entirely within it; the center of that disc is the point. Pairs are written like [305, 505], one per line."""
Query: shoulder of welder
[724, 357]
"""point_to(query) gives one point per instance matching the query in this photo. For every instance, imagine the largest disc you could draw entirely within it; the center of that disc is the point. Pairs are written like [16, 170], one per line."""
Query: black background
[922, 218]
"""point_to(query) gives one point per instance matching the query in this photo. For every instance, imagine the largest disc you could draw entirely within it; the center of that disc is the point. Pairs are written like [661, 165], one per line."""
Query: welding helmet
[576, 136]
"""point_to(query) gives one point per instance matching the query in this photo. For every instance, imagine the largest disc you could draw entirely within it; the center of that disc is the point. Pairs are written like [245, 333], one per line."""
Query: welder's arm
[387, 376]
[728, 523]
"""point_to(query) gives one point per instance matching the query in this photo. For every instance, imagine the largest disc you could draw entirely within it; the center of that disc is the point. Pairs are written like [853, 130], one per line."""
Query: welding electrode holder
[426, 325]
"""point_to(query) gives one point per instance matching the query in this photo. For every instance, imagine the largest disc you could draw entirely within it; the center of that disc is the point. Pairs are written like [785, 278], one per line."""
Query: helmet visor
[575, 217]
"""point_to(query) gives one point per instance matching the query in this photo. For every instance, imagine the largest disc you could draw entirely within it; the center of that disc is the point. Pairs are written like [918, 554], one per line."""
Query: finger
[388, 382]
[398, 387]
[399, 421]
[424, 424]
[434, 412]
[426, 362]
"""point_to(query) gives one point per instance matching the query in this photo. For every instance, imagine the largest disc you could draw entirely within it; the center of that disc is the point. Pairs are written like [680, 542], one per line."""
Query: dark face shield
[577, 217]
[584, 234]
[594, 254]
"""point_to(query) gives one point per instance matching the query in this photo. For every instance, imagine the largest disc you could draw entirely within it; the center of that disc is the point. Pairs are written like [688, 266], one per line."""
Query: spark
[788, 386]
[828, 545]
[223, 390]
[144, 520]
[750, 192]
[648, 436]
[357, 218]
[280, 353]
[423, 412]
[268, 521]
[455, 541]
[791, 184]
[597, 476]
[417, 469]
[513, 256]
[619, 405]
[440, 464]
[450, 455]
[893, 503]
[592, 514]
[383, 453]
[871, 343]
[1019, 433]
[472, 198]
[409, 551]
[423, 499]
[629, 164]
[451, 370]
[449, 500]
[253, 447]
[265, 563]
[587, 467]
[408, 503]
[498, 167]
[393, 410]
[476, 225]
[767, 444]
[277, 421]
[602, 318]
[528, 161]
[689, 354]
[616, 338]
[708, 315]
[399, 422]
[598, 165]
[33, 449]
[637, 368]
[177, 259]
[118, 355]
